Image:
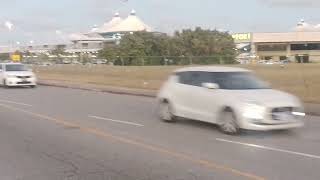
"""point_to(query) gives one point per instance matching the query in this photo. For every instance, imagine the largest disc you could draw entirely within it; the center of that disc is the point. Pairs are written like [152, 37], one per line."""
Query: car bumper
[274, 120]
[19, 82]
[269, 127]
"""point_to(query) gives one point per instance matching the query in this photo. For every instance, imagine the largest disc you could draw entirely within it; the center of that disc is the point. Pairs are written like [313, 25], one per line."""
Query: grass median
[302, 80]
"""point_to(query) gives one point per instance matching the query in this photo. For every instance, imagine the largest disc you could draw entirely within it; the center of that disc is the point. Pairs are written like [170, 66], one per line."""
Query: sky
[47, 21]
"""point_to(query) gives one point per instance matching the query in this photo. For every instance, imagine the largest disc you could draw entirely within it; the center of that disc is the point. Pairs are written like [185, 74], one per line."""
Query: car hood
[267, 97]
[20, 73]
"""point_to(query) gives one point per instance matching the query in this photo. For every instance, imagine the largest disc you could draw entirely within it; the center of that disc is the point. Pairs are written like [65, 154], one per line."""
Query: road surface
[64, 134]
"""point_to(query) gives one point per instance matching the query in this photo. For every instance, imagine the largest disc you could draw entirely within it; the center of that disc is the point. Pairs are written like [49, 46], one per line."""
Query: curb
[311, 109]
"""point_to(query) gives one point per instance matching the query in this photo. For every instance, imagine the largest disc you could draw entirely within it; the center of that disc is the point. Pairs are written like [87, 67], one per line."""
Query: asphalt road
[63, 134]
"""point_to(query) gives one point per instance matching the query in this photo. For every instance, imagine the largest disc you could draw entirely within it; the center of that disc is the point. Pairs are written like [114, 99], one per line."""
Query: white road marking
[13, 102]
[270, 148]
[117, 121]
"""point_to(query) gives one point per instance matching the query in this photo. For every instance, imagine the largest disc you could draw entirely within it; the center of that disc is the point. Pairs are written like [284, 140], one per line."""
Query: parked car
[262, 61]
[99, 61]
[270, 62]
[285, 62]
[44, 64]
[232, 98]
[66, 62]
[16, 74]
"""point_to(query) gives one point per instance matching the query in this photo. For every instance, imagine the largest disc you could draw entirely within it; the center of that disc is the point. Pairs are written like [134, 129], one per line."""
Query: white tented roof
[114, 21]
[86, 37]
[94, 29]
[131, 24]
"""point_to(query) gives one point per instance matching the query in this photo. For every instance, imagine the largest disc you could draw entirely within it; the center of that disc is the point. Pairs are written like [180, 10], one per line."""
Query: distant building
[109, 32]
[301, 45]
[94, 40]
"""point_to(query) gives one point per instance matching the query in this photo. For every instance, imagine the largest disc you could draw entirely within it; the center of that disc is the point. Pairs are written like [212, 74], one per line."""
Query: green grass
[302, 80]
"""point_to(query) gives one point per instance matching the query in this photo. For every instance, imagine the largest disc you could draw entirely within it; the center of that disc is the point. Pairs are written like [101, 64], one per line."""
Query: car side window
[195, 78]
[184, 78]
[198, 78]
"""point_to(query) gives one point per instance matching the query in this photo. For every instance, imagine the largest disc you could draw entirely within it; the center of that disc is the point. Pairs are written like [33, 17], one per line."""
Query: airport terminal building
[297, 46]
[92, 41]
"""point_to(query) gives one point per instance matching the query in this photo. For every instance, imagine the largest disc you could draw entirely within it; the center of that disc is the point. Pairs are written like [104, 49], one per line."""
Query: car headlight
[254, 111]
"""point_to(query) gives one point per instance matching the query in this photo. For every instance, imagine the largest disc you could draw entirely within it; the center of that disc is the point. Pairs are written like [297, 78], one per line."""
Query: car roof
[213, 69]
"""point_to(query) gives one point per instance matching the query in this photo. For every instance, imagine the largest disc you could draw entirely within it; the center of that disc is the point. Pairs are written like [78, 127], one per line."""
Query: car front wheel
[165, 112]
[5, 84]
[228, 123]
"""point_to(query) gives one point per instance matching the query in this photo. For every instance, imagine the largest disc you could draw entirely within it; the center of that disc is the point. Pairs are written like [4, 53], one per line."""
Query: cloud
[304, 26]
[293, 3]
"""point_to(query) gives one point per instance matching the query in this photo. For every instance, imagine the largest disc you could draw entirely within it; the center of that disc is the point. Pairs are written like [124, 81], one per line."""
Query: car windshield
[238, 81]
[16, 67]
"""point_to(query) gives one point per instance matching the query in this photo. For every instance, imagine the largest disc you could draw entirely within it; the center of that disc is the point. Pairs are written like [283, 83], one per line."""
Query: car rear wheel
[228, 123]
[165, 112]
[33, 86]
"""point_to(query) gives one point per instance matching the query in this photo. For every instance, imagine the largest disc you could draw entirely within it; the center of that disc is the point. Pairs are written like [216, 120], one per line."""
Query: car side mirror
[210, 85]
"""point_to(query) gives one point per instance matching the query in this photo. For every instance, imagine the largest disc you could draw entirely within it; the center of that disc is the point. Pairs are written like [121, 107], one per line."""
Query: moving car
[232, 98]
[16, 74]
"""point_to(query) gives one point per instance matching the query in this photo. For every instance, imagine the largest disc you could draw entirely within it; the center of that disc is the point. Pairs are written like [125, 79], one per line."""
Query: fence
[142, 60]
[172, 60]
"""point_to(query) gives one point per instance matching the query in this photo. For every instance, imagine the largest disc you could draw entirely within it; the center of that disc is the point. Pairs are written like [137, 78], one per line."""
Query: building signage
[16, 58]
[242, 37]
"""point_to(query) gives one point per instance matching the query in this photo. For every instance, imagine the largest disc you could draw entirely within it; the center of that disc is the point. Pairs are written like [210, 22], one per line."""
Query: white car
[232, 98]
[16, 74]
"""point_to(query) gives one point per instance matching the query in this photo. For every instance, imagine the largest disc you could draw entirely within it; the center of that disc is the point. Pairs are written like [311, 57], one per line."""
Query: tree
[27, 53]
[43, 57]
[4, 56]
[132, 48]
[111, 53]
[58, 51]
[206, 46]
[150, 47]
[184, 47]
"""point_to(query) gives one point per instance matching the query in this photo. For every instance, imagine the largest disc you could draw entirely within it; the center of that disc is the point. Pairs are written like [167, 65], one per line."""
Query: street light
[18, 44]
[9, 25]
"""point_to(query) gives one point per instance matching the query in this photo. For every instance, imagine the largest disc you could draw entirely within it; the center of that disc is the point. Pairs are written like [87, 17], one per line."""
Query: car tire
[5, 84]
[228, 123]
[165, 112]
[33, 86]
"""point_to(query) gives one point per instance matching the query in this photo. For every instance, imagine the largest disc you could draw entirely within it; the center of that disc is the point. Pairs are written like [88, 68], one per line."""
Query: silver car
[232, 98]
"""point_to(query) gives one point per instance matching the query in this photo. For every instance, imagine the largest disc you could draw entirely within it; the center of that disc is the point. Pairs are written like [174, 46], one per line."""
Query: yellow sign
[242, 37]
[16, 58]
